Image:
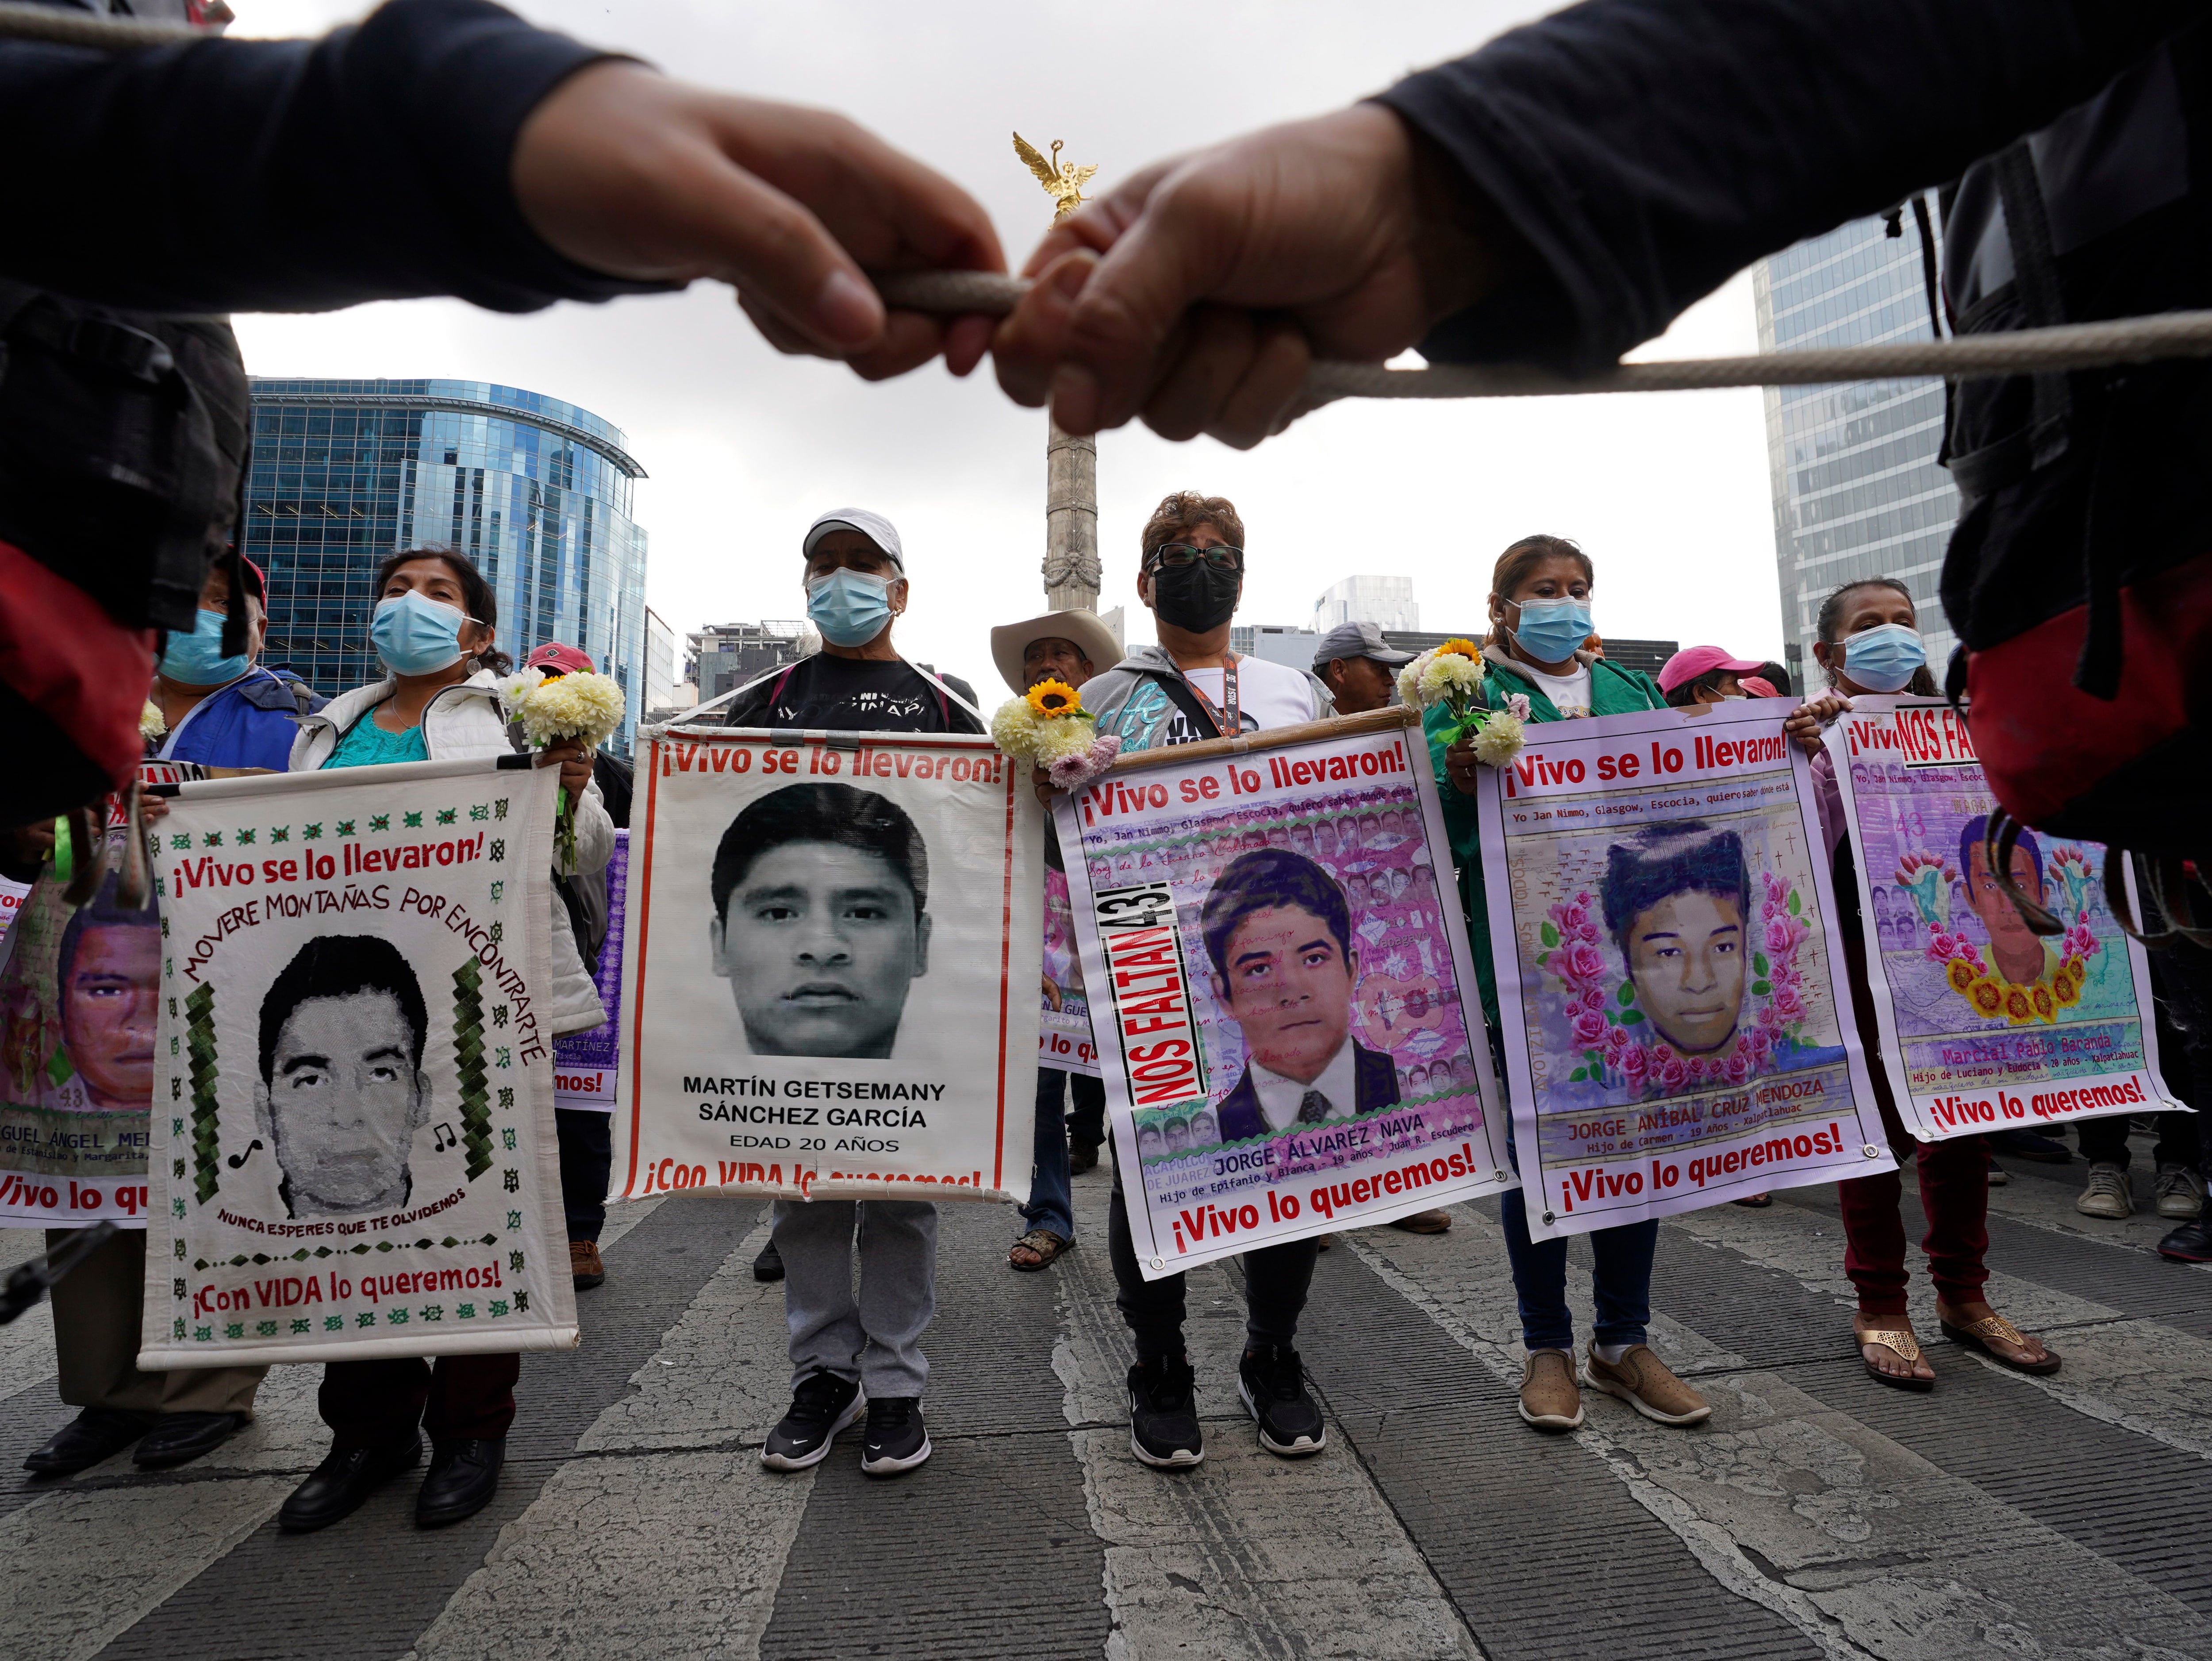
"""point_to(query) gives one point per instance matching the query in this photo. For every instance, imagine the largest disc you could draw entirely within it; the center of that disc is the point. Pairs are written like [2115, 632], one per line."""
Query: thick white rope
[2023, 352]
[61, 25]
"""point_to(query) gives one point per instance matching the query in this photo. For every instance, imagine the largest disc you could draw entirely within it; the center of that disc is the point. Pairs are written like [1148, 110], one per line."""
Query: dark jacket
[1374, 1087]
[373, 164]
[252, 722]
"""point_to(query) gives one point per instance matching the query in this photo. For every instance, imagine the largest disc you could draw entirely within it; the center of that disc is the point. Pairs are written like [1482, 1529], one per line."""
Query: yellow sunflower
[1053, 698]
[1459, 647]
[1960, 974]
[1987, 997]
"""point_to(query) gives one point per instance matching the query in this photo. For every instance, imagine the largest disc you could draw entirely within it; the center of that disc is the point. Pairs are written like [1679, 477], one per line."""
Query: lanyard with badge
[1226, 726]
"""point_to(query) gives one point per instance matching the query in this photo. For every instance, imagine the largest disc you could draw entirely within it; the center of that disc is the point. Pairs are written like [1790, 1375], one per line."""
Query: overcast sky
[1668, 492]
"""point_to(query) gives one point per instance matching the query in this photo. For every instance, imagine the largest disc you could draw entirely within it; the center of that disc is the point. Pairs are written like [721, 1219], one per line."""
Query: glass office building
[536, 491]
[1857, 492]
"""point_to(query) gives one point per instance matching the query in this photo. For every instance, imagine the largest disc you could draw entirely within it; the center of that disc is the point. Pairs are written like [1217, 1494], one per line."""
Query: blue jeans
[1620, 1280]
[1050, 1205]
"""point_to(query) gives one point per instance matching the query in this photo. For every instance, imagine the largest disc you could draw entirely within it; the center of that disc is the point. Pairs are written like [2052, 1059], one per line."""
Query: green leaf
[1795, 908]
[1761, 988]
[1549, 935]
[1542, 958]
[1627, 993]
[1578, 1075]
[1759, 965]
[1613, 1015]
[1632, 1017]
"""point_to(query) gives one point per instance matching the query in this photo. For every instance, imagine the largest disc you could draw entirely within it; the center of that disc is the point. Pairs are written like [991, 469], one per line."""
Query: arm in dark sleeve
[281, 175]
[1645, 150]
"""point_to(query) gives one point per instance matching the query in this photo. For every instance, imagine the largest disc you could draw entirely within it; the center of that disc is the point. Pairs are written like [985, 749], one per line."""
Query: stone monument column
[1072, 572]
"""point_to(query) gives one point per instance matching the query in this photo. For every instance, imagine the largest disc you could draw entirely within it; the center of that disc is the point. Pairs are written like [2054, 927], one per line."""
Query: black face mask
[1195, 597]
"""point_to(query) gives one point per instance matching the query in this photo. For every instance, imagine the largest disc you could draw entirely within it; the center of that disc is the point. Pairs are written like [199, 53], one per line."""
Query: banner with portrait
[831, 967]
[78, 992]
[1287, 1017]
[584, 1063]
[353, 1151]
[1985, 1023]
[77, 1000]
[1674, 1005]
[1064, 1021]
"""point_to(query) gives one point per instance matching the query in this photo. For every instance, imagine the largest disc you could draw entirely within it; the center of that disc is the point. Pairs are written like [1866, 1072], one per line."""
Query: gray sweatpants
[875, 1337]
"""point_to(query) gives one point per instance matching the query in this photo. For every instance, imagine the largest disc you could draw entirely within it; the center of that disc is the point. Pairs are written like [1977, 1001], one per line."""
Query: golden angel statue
[1064, 179]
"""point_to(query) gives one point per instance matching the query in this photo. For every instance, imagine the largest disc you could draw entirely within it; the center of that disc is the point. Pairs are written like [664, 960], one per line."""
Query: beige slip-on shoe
[1641, 1380]
[1550, 1400]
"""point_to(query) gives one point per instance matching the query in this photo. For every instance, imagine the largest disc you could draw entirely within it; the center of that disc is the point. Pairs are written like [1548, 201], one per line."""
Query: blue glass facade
[536, 491]
[1857, 492]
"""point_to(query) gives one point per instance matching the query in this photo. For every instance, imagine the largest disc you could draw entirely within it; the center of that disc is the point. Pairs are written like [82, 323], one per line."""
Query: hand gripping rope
[2023, 352]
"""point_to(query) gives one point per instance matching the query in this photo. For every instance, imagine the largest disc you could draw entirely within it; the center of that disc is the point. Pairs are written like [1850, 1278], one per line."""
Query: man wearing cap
[227, 711]
[856, 588]
[1359, 666]
[1069, 647]
[587, 1131]
[1699, 675]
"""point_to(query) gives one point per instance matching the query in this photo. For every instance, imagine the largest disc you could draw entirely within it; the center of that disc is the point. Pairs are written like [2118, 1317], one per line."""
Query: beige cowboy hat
[1086, 629]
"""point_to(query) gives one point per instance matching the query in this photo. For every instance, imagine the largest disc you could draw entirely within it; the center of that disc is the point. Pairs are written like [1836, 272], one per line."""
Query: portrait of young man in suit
[1278, 934]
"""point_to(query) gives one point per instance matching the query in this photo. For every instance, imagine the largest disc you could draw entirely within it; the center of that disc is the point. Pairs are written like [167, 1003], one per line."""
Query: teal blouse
[367, 744]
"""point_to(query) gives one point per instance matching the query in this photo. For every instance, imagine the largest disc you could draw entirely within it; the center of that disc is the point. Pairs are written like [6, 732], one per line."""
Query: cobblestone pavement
[1816, 1515]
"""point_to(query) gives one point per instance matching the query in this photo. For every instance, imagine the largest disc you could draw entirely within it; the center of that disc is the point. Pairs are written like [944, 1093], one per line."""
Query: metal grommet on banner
[1871, 1151]
[1549, 1217]
[1499, 1174]
[1159, 1262]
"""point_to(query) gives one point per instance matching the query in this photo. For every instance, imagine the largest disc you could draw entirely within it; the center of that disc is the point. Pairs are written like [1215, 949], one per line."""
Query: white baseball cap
[874, 527]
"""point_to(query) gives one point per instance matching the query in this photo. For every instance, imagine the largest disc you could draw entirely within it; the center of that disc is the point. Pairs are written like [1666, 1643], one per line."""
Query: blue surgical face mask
[1553, 631]
[417, 637]
[849, 607]
[196, 659]
[1883, 659]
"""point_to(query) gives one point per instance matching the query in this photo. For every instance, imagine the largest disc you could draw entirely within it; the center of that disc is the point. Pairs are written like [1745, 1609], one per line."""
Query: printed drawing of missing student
[342, 1091]
[1278, 932]
[821, 923]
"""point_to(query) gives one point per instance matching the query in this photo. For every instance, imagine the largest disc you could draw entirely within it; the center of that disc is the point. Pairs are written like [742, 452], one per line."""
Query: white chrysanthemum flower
[1409, 679]
[1061, 739]
[1450, 678]
[584, 706]
[150, 722]
[1014, 730]
[1499, 739]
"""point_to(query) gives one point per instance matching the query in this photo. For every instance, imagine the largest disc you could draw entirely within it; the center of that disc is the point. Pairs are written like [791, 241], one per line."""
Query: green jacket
[1613, 692]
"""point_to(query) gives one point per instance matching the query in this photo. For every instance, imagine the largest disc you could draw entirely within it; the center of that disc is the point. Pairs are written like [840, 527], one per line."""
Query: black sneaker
[897, 1439]
[821, 1404]
[1272, 1383]
[1163, 1414]
[2025, 1144]
[769, 1266]
[2190, 1243]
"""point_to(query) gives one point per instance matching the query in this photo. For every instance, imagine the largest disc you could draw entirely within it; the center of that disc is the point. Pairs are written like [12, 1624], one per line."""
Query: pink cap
[558, 657]
[1691, 661]
[1759, 688]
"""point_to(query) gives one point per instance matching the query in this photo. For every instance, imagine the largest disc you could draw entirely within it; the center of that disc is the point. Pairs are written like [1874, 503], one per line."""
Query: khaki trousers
[97, 1308]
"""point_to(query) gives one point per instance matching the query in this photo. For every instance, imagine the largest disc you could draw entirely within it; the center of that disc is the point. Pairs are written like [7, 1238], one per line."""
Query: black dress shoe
[95, 1434]
[179, 1438]
[337, 1488]
[2190, 1243]
[463, 1477]
[1082, 1156]
[769, 1266]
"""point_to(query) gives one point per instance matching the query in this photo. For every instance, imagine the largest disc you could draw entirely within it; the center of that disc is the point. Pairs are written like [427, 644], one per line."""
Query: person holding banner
[1188, 687]
[850, 1352]
[434, 629]
[227, 711]
[1870, 642]
[1539, 668]
[1066, 647]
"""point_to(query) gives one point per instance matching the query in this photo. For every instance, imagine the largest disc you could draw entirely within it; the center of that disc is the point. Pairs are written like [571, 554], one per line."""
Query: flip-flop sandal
[1047, 1244]
[1904, 1346]
[1977, 1336]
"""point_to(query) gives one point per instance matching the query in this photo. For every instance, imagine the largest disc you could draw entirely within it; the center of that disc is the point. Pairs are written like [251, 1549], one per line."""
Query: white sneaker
[2107, 1194]
[2180, 1192]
